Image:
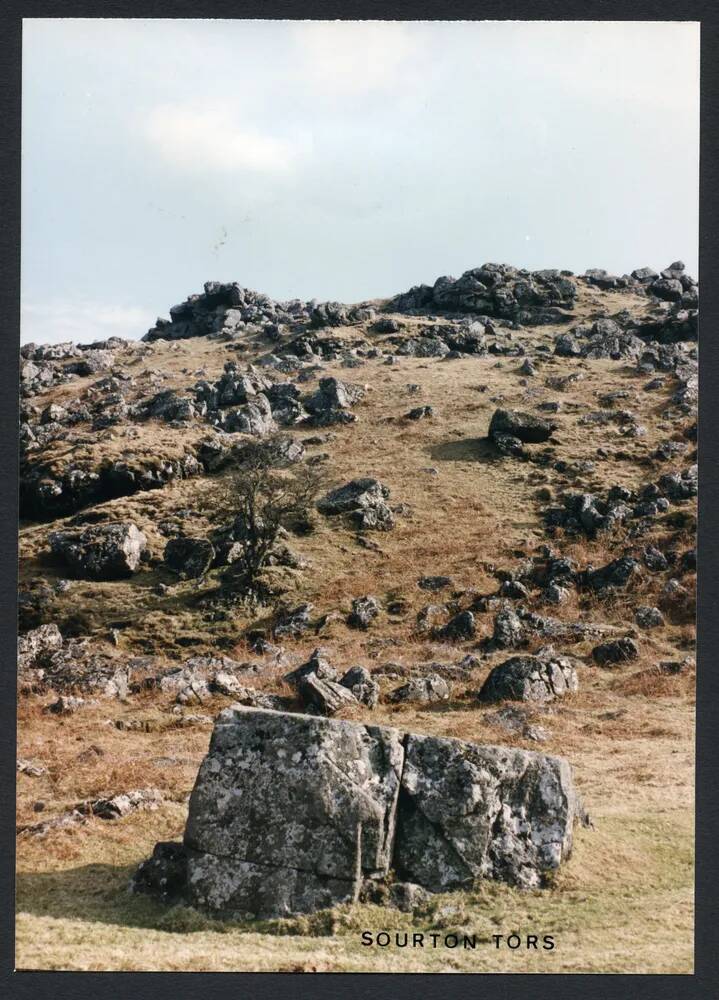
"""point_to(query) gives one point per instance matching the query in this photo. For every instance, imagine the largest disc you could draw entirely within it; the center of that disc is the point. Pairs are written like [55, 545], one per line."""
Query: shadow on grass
[466, 450]
[99, 893]
[96, 892]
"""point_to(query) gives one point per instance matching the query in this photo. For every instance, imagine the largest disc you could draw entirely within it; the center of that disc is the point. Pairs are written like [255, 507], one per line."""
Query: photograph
[357, 560]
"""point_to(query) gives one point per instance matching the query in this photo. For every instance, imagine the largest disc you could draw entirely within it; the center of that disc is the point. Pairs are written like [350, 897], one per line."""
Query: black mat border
[272, 986]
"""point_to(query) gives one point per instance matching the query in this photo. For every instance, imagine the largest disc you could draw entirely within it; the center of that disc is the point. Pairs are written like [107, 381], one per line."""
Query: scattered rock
[360, 682]
[461, 626]
[364, 500]
[647, 617]
[189, 557]
[420, 413]
[524, 426]
[294, 622]
[530, 678]
[422, 690]
[27, 767]
[606, 654]
[66, 704]
[324, 696]
[364, 612]
[121, 805]
[434, 582]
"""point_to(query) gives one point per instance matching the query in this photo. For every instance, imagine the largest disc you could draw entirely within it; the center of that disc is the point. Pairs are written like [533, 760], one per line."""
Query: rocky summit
[421, 570]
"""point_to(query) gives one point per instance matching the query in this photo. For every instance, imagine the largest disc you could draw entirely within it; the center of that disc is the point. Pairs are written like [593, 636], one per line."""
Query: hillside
[533, 438]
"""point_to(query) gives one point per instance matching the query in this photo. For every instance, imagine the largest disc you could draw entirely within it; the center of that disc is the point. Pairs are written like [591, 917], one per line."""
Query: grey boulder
[101, 552]
[288, 812]
[293, 813]
[364, 500]
[362, 685]
[524, 426]
[606, 654]
[530, 678]
[324, 696]
[364, 611]
[422, 690]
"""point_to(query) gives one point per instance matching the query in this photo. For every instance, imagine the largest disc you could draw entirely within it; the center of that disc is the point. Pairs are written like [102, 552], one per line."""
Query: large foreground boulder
[293, 813]
[101, 552]
[288, 812]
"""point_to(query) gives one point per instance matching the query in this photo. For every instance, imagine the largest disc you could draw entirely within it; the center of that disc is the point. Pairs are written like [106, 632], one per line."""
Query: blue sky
[343, 160]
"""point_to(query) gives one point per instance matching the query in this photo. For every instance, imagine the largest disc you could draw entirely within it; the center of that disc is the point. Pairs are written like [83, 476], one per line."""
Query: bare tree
[264, 492]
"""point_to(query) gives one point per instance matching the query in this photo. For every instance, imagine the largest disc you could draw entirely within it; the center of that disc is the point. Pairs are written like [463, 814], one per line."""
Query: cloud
[81, 322]
[213, 141]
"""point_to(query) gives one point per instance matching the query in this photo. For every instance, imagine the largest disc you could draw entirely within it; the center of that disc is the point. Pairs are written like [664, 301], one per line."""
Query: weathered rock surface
[363, 500]
[530, 678]
[288, 811]
[101, 552]
[293, 813]
[469, 812]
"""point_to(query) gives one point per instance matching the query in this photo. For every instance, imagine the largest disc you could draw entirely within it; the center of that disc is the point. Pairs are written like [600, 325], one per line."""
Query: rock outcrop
[495, 290]
[227, 309]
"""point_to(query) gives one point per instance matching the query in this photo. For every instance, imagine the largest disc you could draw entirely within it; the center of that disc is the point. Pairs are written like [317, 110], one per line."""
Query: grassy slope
[622, 903]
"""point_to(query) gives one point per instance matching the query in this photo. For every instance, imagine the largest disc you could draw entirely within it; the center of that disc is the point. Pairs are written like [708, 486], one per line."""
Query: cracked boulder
[530, 678]
[102, 551]
[295, 813]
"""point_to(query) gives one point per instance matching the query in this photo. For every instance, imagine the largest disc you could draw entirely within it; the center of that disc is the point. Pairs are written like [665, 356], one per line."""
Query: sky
[342, 160]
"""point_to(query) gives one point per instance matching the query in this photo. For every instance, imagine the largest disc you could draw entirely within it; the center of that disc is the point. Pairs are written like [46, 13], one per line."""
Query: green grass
[630, 914]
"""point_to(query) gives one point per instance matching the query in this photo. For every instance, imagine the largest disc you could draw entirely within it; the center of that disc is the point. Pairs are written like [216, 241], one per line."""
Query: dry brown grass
[623, 902]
